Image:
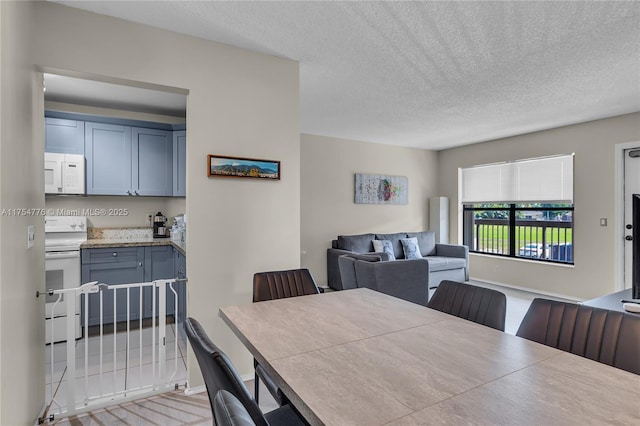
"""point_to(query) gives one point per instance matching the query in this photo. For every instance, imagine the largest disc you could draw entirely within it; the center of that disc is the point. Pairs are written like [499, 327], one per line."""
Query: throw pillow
[411, 249]
[384, 246]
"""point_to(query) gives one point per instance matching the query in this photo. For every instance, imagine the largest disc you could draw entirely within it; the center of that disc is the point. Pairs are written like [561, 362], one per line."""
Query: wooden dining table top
[359, 357]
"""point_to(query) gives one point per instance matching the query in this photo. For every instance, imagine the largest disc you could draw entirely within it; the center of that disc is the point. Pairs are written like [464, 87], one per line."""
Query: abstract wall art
[381, 189]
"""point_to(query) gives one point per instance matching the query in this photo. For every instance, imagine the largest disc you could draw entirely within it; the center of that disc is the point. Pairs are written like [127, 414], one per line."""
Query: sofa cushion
[426, 242]
[395, 240]
[410, 248]
[384, 246]
[438, 263]
[358, 243]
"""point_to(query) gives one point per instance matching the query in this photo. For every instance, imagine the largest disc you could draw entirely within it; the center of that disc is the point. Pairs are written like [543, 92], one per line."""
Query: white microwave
[63, 173]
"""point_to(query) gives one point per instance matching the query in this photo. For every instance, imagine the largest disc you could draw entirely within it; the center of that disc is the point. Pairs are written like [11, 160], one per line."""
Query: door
[631, 186]
[180, 163]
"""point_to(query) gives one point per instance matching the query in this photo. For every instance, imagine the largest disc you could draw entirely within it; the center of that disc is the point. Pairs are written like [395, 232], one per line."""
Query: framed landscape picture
[239, 167]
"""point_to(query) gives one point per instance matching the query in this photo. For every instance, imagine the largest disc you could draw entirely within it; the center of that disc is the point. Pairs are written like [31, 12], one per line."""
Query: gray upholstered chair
[229, 411]
[220, 374]
[278, 285]
[478, 304]
[347, 266]
[609, 337]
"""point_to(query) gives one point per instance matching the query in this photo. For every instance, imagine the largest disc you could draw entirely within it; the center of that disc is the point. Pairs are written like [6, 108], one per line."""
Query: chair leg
[256, 387]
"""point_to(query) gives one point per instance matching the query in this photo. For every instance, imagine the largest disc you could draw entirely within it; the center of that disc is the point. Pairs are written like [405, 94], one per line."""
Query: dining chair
[273, 285]
[229, 411]
[478, 304]
[220, 374]
[609, 337]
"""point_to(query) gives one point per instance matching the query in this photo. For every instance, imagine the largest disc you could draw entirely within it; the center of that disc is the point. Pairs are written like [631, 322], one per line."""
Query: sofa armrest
[405, 279]
[452, 250]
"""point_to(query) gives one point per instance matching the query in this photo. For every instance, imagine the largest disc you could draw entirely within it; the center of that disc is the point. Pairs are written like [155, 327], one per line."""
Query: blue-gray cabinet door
[181, 272]
[161, 266]
[152, 162]
[180, 163]
[108, 153]
[64, 136]
[113, 266]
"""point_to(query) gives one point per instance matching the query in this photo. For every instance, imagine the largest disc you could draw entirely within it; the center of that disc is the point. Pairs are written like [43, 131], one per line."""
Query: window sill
[522, 259]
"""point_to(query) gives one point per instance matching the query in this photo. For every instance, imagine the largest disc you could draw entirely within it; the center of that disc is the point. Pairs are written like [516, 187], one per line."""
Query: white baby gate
[122, 361]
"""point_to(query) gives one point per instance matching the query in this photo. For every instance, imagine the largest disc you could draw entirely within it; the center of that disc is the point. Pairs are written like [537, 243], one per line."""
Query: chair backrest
[218, 372]
[229, 411]
[346, 264]
[605, 336]
[478, 304]
[281, 284]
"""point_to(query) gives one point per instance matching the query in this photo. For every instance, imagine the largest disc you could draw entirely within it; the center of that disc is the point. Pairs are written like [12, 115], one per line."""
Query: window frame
[512, 222]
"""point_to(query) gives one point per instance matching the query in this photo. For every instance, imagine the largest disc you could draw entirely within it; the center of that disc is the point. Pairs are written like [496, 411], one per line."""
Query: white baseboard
[529, 290]
[188, 391]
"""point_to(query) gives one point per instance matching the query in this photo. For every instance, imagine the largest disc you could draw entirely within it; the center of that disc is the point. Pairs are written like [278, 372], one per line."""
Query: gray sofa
[365, 268]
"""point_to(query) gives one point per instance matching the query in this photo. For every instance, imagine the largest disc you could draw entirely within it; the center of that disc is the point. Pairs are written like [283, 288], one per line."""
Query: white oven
[63, 236]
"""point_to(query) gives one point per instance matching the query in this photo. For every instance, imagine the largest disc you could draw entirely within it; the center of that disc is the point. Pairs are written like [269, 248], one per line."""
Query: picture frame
[240, 167]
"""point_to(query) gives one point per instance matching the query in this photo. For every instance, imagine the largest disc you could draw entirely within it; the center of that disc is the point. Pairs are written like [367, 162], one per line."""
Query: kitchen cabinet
[151, 162]
[108, 153]
[64, 136]
[180, 163]
[121, 265]
[123, 160]
[125, 265]
[160, 266]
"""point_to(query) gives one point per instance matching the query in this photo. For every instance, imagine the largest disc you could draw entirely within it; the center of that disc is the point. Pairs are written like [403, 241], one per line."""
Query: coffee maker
[159, 226]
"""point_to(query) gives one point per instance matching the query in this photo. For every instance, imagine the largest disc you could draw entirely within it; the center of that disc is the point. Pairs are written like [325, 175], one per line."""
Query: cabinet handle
[139, 263]
[115, 254]
[128, 192]
[137, 193]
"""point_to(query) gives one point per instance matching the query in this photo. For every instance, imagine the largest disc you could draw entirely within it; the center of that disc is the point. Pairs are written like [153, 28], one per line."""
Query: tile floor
[119, 373]
[174, 408]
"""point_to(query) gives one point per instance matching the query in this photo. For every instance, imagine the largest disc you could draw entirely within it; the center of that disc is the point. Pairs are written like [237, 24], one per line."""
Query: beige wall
[327, 208]
[240, 103]
[593, 144]
[21, 177]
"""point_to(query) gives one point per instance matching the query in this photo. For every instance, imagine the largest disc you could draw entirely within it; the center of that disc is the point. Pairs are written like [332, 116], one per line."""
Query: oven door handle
[62, 255]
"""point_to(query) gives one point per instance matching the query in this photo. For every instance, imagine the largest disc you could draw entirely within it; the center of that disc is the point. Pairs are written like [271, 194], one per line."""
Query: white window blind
[532, 180]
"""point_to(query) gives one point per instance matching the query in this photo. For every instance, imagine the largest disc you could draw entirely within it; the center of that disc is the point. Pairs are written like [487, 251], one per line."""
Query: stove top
[64, 233]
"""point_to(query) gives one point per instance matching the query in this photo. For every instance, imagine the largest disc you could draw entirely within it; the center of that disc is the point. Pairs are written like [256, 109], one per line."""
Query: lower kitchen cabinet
[124, 265]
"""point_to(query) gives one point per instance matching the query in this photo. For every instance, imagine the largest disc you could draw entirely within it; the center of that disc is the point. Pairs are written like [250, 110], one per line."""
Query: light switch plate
[603, 221]
[31, 236]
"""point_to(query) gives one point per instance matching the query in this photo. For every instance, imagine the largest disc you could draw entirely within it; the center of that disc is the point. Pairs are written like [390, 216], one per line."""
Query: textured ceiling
[429, 74]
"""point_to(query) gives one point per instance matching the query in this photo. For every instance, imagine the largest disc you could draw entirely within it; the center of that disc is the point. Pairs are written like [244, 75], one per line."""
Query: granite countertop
[133, 242]
[128, 237]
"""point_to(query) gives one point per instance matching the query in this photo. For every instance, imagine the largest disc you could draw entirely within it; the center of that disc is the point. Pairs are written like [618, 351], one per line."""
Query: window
[520, 209]
[540, 231]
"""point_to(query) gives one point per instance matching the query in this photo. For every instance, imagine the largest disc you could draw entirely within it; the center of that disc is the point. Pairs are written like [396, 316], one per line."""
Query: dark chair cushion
[605, 336]
[218, 372]
[357, 243]
[478, 304]
[281, 284]
[228, 411]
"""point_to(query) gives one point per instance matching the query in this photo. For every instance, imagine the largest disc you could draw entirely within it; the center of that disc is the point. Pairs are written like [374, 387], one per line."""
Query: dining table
[360, 357]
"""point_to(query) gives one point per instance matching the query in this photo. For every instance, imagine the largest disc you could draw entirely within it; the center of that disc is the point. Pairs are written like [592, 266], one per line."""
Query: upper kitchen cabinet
[180, 163]
[124, 160]
[64, 136]
[108, 152]
[152, 162]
